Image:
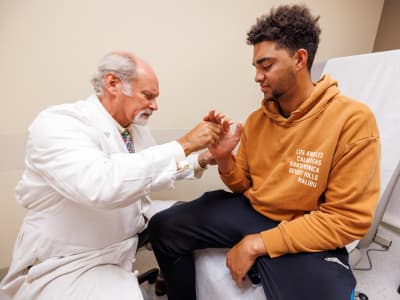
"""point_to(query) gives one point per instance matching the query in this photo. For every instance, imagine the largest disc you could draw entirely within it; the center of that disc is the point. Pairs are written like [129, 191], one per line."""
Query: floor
[383, 280]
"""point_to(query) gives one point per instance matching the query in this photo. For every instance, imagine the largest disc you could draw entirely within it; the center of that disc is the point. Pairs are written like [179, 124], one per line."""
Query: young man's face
[275, 70]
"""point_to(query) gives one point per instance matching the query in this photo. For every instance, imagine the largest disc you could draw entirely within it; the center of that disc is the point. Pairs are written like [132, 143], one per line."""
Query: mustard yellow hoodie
[317, 171]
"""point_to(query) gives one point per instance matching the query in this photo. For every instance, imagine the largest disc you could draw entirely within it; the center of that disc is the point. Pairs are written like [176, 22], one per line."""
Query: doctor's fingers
[212, 132]
[211, 127]
[204, 134]
[212, 116]
[219, 118]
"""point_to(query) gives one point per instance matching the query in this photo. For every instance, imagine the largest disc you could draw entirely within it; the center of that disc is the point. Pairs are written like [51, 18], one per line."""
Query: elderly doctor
[86, 194]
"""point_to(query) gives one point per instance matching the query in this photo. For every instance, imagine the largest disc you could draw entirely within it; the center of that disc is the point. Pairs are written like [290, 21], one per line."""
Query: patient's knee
[154, 223]
[159, 226]
[165, 228]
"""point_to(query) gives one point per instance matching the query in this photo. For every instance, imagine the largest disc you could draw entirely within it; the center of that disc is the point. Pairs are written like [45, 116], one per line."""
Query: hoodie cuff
[274, 242]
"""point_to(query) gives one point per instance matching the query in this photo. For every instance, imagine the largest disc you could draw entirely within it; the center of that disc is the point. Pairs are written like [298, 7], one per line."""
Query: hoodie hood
[324, 91]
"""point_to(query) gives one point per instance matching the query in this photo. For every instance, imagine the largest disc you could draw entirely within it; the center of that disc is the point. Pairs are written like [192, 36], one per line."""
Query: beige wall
[387, 36]
[49, 49]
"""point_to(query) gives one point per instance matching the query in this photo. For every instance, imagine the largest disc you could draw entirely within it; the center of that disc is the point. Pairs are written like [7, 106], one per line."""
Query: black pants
[219, 220]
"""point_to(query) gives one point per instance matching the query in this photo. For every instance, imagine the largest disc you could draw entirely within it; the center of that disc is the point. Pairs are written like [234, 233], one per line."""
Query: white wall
[49, 49]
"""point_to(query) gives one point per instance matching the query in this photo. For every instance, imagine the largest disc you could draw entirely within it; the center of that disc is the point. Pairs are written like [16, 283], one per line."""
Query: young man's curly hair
[290, 26]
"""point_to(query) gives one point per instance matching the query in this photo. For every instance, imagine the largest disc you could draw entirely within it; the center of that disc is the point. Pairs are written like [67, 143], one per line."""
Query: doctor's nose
[153, 105]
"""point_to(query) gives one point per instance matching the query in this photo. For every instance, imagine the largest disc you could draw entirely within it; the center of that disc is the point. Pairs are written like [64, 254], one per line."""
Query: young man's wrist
[226, 164]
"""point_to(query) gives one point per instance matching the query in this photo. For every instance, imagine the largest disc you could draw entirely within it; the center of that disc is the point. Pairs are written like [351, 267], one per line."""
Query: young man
[305, 179]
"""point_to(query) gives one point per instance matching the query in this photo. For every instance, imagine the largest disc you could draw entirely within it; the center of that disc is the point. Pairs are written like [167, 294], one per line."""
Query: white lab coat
[85, 197]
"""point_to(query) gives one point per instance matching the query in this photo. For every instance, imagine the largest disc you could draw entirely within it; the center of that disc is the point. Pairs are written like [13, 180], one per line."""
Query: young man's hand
[242, 256]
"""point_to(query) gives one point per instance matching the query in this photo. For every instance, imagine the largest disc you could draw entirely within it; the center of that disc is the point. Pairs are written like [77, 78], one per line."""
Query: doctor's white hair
[122, 66]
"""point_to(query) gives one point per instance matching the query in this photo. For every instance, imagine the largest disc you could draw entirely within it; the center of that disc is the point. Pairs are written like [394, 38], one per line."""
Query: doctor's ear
[112, 83]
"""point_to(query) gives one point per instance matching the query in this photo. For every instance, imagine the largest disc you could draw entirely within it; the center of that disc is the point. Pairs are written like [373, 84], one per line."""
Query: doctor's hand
[212, 116]
[201, 136]
[242, 256]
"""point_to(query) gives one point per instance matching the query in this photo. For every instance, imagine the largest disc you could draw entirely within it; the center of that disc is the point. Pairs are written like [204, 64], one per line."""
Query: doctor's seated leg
[103, 282]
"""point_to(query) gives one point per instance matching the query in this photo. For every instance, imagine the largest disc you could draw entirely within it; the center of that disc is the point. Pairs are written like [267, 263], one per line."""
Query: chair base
[150, 276]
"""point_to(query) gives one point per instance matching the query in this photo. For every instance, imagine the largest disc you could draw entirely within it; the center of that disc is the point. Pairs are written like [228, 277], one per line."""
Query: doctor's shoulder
[59, 119]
